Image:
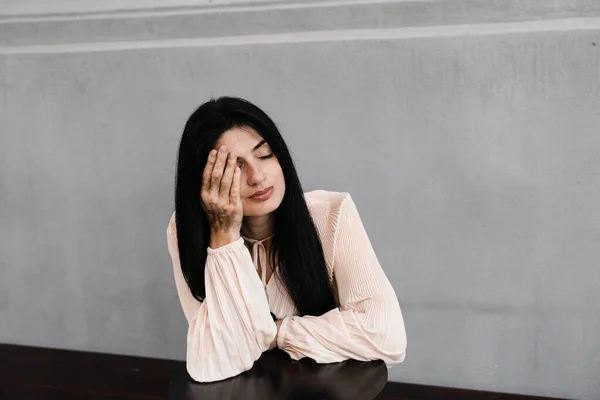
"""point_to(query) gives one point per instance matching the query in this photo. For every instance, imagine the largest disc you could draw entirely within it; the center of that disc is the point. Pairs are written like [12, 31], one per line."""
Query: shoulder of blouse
[172, 228]
[320, 196]
[171, 225]
[326, 204]
[326, 211]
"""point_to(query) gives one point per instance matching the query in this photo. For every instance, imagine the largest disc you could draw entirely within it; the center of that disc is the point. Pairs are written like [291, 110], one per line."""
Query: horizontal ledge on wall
[69, 8]
[560, 25]
[276, 18]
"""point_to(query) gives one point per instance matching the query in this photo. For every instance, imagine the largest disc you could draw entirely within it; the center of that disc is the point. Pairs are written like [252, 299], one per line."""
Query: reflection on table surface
[276, 376]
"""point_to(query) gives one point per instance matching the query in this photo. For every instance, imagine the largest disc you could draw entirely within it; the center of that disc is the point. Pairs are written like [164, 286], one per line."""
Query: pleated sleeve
[230, 329]
[368, 325]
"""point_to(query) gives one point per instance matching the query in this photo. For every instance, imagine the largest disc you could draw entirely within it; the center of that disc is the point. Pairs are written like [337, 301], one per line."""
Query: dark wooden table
[34, 373]
[276, 376]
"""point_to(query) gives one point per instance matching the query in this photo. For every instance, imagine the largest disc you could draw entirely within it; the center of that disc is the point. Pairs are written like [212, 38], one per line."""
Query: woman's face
[259, 167]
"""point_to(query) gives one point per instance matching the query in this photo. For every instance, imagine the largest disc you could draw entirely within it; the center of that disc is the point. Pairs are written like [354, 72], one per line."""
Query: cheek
[281, 180]
[279, 174]
[277, 166]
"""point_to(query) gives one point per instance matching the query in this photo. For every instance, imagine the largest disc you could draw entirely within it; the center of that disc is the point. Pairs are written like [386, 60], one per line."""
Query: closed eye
[260, 158]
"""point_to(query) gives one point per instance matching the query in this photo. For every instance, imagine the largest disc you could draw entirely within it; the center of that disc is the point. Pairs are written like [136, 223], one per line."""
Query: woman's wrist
[219, 239]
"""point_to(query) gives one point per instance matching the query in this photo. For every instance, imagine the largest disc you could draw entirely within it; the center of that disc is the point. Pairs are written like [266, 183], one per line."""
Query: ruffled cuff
[228, 248]
[281, 335]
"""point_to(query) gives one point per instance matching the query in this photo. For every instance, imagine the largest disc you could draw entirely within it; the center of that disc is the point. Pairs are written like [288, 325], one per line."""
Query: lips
[262, 192]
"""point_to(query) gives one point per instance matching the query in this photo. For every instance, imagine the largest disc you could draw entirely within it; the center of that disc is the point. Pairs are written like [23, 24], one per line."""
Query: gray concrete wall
[22, 8]
[466, 131]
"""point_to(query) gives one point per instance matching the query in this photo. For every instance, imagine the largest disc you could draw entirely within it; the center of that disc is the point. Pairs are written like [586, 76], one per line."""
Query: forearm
[339, 335]
[233, 326]
[221, 238]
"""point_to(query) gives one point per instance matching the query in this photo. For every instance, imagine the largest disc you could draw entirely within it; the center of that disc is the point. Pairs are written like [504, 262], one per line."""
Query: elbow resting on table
[207, 362]
[214, 368]
[392, 348]
[392, 345]
[397, 345]
[396, 350]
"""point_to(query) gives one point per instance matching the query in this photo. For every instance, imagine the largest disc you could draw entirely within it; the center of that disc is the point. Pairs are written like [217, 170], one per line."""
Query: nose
[255, 175]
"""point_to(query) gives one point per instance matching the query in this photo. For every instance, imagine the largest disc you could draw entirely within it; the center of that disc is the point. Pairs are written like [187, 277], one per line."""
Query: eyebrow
[254, 148]
[258, 145]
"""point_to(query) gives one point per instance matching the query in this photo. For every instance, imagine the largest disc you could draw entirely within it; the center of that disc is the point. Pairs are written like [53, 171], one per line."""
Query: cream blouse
[233, 326]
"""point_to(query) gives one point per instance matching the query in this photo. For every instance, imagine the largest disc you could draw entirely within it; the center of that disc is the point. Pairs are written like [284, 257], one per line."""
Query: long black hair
[296, 243]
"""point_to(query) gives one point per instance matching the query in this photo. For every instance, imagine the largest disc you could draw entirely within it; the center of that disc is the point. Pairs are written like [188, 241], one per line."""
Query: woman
[283, 268]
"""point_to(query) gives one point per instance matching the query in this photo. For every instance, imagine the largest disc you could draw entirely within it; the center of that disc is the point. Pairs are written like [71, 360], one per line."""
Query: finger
[234, 194]
[227, 176]
[206, 174]
[217, 172]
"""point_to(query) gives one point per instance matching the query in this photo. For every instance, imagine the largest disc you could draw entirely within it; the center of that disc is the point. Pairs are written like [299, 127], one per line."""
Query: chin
[259, 210]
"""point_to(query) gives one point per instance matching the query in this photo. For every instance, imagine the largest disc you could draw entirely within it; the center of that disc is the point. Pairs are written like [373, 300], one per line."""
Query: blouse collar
[259, 251]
